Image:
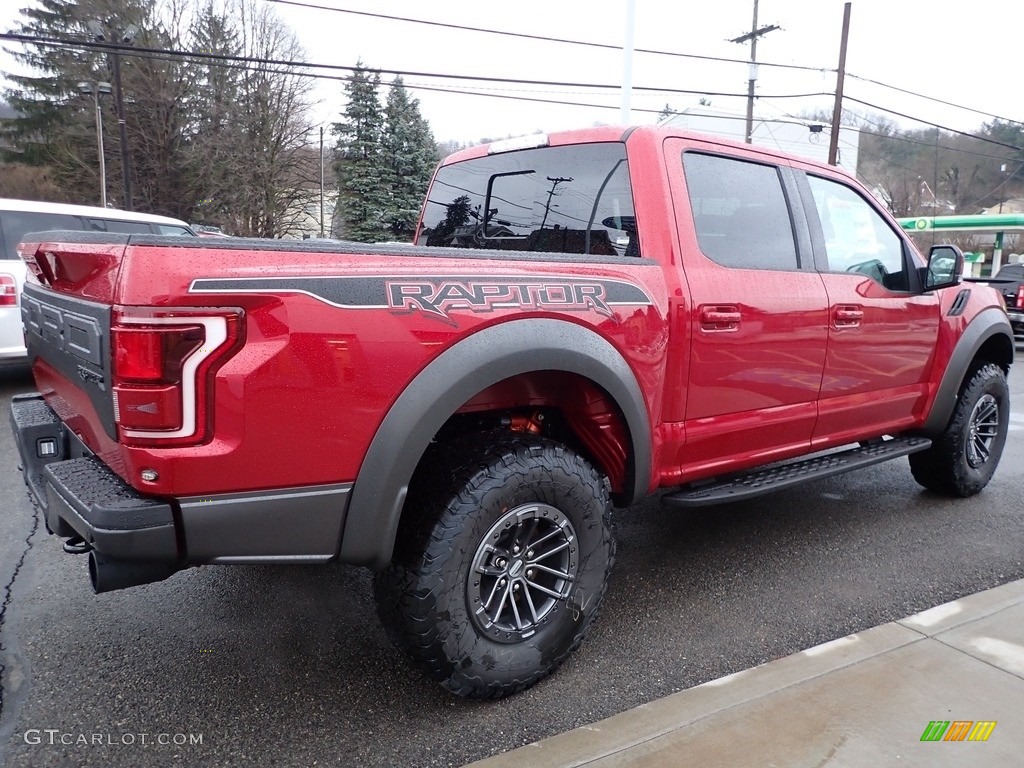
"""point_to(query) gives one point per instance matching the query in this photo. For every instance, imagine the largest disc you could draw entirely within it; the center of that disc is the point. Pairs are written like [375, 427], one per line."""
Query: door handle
[720, 317]
[847, 316]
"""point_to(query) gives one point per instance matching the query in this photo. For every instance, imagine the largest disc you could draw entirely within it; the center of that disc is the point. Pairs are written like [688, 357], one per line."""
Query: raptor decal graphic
[439, 296]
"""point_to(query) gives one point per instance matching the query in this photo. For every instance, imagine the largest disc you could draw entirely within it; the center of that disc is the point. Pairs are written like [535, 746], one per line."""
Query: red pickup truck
[586, 318]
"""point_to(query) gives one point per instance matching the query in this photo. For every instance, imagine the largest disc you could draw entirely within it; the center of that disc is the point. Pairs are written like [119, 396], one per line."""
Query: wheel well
[602, 403]
[562, 406]
[996, 349]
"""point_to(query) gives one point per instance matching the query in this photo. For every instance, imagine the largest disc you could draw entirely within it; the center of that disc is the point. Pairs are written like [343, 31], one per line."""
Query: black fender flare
[986, 324]
[457, 374]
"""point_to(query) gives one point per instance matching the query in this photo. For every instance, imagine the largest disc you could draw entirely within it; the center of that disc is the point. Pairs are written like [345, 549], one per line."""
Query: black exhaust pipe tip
[108, 574]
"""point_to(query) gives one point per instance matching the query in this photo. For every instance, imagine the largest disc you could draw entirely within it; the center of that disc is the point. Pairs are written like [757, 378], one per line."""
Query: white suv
[20, 216]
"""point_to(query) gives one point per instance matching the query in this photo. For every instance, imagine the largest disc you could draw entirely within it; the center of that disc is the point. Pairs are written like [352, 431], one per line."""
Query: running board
[761, 481]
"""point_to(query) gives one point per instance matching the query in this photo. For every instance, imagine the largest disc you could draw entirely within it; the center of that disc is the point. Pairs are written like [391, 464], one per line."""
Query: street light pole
[321, 182]
[96, 90]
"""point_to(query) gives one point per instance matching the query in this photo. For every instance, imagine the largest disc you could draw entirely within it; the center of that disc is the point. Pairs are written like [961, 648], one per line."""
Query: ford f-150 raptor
[585, 318]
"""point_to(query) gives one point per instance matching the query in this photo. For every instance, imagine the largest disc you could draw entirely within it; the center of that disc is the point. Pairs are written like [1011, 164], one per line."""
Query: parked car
[1013, 292]
[20, 216]
[208, 230]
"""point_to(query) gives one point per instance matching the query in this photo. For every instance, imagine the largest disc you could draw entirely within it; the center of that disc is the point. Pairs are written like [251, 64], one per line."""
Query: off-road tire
[465, 499]
[962, 460]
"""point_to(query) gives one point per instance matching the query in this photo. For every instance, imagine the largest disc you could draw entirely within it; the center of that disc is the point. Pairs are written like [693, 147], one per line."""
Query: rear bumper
[1017, 321]
[78, 494]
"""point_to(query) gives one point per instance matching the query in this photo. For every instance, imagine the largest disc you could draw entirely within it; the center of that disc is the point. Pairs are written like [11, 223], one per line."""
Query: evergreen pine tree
[55, 123]
[213, 105]
[363, 199]
[410, 154]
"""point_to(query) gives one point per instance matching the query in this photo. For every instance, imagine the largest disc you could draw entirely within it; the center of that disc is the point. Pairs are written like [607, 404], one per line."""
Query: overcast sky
[963, 53]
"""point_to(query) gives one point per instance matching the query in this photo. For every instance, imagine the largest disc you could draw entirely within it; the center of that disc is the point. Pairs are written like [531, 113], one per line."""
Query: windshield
[571, 199]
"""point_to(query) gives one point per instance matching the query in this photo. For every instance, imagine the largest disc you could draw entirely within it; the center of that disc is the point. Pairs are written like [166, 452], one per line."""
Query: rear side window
[572, 199]
[740, 213]
[17, 223]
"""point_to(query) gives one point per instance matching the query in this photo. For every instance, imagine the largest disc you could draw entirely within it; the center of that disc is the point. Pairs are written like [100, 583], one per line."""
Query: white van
[20, 216]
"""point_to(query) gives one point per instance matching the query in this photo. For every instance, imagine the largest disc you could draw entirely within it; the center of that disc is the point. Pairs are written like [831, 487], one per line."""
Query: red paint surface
[737, 367]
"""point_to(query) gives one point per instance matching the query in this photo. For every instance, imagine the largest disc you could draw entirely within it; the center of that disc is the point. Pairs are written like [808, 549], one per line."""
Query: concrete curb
[978, 630]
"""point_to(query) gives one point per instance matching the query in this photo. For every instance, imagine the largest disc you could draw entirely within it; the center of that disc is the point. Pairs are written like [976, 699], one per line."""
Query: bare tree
[255, 169]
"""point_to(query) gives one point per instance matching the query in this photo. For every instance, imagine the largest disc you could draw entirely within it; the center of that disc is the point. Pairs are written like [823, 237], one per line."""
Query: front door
[882, 328]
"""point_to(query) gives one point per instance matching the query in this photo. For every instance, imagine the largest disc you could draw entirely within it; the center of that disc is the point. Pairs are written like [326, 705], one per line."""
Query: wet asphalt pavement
[288, 666]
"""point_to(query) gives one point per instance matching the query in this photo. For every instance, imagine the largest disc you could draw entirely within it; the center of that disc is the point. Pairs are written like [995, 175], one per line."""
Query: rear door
[881, 326]
[758, 309]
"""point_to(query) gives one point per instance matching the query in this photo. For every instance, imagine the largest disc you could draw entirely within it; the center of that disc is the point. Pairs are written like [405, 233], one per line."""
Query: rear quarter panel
[331, 340]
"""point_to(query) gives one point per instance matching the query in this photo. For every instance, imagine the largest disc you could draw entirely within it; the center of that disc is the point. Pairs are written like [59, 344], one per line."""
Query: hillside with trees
[933, 172]
[213, 133]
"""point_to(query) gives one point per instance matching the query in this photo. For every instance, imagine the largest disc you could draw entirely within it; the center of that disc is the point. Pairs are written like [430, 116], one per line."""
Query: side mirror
[945, 267]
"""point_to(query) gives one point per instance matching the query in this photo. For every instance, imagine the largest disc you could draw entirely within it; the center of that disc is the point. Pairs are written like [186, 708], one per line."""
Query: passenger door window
[857, 238]
[740, 213]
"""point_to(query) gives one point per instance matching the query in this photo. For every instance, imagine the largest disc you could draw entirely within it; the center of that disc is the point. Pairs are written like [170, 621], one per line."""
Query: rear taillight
[1020, 296]
[163, 367]
[153, 355]
[8, 291]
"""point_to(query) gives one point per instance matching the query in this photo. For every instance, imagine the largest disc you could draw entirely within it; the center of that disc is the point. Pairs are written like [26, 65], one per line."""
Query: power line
[243, 63]
[135, 50]
[893, 136]
[607, 46]
[933, 98]
[539, 38]
[931, 144]
[533, 99]
[233, 61]
[935, 125]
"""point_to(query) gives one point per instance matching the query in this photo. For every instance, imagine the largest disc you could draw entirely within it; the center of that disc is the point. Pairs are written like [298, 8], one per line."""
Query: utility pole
[101, 33]
[555, 181]
[837, 109]
[122, 129]
[752, 36]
